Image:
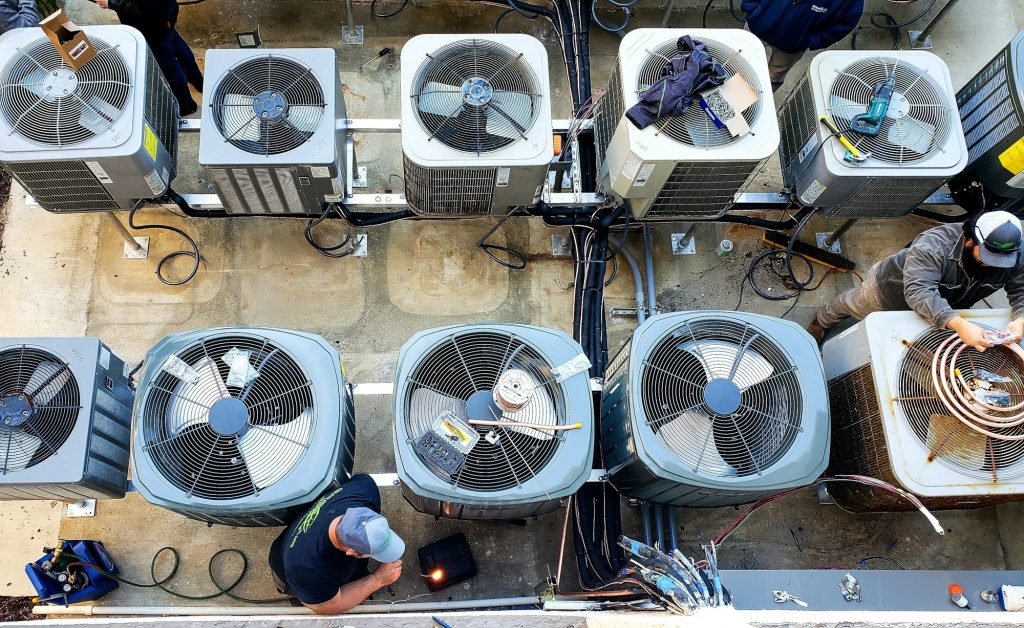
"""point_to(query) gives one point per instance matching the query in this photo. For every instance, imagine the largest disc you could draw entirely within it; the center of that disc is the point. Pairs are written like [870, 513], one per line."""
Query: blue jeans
[179, 67]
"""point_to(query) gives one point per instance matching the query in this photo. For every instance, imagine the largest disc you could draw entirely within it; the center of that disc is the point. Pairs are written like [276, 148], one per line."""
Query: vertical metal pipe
[350, 19]
[839, 232]
[638, 283]
[659, 527]
[672, 529]
[668, 13]
[645, 520]
[923, 35]
[124, 233]
[652, 303]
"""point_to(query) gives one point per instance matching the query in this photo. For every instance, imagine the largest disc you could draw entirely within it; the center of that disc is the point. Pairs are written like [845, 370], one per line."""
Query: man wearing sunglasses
[947, 268]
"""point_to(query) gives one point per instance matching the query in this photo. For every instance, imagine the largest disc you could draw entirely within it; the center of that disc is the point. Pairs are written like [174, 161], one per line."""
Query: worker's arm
[352, 594]
[27, 15]
[922, 271]
[1015, 294]
[841, 24]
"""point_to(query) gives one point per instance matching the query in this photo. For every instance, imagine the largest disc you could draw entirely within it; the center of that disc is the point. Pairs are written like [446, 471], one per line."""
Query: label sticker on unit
[98, 170]
[1017, 181]
[643, 175]
[631, 167]
[812, 142]
[455, 431]
[320, 172]
[1013, 159]
[577, 365]
[180, 369]
[502, 179]
[105, 357]
[812, 192]
[155, 183]
[149, 141]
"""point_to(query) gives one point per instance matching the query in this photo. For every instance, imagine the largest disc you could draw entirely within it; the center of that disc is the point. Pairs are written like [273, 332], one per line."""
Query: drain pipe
[638, 282]
[645, 520]
[283, 610]
[673, 539]
[652, 303]
[659, 526]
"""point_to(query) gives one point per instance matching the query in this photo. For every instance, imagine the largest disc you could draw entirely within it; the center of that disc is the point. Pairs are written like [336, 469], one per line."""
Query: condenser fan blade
[33, 82]
[912, 134]
[305, 118]
[440, 99]
[46, 381]
[97, 115]
[240, 122]
[694, 428]
[719, 359]
[189, 402]
[506, 113]
[842, 108]
[425, 405]
[270, 451]
[22, 449]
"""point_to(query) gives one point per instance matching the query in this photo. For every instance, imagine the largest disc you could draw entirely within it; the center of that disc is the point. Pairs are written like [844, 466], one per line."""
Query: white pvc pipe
[398, 607]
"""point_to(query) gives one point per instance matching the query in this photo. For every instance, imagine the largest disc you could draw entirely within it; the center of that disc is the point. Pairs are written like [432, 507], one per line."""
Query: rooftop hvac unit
[476, 123]
[92, 139]
[682, 167]
[992, 114]
[270, 141]
[242, 426]
[505, 373]
[890, 420]
[714, 409]
[920, 144]
[65, 419]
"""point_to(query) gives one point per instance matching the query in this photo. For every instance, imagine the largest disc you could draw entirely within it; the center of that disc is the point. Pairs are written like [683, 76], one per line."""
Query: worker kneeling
[946, 268]
[322, 557]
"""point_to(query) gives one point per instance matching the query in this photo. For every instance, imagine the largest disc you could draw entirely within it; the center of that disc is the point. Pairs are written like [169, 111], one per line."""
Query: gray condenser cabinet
[65, 419]
[507, 473]
[241, 426]
[93, 139]
[714, 409]
[992, 113]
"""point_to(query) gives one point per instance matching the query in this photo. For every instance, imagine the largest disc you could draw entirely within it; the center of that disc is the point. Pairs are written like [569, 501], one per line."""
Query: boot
[817, 331]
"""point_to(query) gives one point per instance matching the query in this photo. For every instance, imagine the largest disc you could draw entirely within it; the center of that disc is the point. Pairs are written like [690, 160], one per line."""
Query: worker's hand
[388, 572]
[1016, 329]
[971, 334]
[102, 3]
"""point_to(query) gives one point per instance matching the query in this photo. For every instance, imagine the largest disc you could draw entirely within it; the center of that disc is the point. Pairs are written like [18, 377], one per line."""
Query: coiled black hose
[192, 251]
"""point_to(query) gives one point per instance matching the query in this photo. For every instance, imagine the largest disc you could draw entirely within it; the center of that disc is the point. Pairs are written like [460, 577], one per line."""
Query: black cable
[516, 261]
[890, 24]
[605, 27]
[864, 561]
[622, 242]
[704, 15]
[732, 11]
[374, 13]
[343, 249]
[194, 253]
[159, 583]
[185, 3]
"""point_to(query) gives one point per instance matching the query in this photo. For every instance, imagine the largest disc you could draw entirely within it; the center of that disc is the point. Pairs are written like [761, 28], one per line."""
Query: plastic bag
[990, 377]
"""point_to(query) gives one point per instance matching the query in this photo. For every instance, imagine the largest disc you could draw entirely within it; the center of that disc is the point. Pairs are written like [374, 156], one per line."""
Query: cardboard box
[725, 103]
[69, 39]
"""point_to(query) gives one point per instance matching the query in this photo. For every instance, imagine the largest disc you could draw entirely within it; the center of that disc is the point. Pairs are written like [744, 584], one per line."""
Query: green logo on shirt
[310, 517]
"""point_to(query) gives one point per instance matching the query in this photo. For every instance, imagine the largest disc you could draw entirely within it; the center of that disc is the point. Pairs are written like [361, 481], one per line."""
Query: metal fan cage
[196, 457]
[944, 436]
[465, 364]
[722, 397]
[39, 406]
[44, 100]
[694, 128]
[482, 76]
[920, 117]
[268, 105]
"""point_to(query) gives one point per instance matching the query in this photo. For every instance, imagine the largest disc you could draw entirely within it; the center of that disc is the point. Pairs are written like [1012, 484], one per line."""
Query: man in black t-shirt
[322, 556]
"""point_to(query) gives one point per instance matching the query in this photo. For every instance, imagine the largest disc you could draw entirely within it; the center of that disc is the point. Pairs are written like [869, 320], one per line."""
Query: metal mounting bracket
[82, 508]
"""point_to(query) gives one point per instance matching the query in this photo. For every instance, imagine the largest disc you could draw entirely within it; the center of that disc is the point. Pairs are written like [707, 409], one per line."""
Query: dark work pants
[179, 66]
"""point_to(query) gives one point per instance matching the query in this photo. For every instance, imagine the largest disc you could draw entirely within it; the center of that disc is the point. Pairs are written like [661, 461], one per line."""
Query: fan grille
[944, 436]
[694, 128]
[44, 100]
[919, 120]
[722, 397]
[186, 440]
[268, 105]
[40, 405]
[476, 96]
[468, 363]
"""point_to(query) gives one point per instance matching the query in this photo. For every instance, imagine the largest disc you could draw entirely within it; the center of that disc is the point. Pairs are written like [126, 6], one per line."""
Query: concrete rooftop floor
[64, 275]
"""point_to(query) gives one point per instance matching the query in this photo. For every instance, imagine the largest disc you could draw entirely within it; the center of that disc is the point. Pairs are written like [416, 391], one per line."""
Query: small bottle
[956, 596]
[724, 248]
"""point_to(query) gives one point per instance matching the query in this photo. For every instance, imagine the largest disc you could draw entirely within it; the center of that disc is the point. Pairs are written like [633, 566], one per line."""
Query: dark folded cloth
[687, 73]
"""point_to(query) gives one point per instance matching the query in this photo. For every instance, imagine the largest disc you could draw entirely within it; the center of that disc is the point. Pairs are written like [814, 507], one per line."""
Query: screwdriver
[383, 53]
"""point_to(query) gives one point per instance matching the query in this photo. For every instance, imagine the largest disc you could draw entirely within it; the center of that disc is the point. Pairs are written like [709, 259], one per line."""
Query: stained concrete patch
[25, 526]
[430, 273]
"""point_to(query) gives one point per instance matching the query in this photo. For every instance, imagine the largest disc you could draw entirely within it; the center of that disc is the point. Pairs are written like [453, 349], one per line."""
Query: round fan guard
[39, 406]
[197, 434]
[722, 397]
[268, 105]
[694, 128]
[919, 120]
[476, 96]
[945, 437]
[44, 100]
[465, 367]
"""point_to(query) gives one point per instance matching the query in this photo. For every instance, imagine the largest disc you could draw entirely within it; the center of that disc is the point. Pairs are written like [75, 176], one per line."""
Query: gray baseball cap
[368, 533]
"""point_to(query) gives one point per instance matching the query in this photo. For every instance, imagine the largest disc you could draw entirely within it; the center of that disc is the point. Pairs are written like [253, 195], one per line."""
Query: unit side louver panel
[65, 416]
[241, 426]
[510, 374]
[607, 113]
[797, 121]
[449, 191]
[879, 198]
[161, 106]
[63, 186]
[701, 190]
